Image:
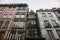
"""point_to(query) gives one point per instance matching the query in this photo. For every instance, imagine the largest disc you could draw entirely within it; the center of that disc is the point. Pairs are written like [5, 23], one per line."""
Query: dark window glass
[13, 32]
[1, 22]
[6, 24]
[51, 35]
[32, 32]
[1, 35]
[47, 24]
[43, 14]
[55, 24]
[50, 15]
[58, 32]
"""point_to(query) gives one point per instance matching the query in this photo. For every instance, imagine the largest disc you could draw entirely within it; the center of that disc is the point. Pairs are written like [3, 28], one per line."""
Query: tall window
[47, 24]
[19, 24]
[6, 24]
[50, 15]
[13, 32]
[20, 13]
[32, 16]
[14, 35]
[21, 8]
[32, 32]
[10, 16]
[1, 35]
[32, 22]
[58, 32]
[17, 16]
[5, 16]
[50, 34]
[43, 14]
[55, 24]
[20, 16]
[1, 22]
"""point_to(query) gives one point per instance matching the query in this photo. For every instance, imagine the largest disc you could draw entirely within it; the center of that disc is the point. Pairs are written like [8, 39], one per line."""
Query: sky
[35, 4]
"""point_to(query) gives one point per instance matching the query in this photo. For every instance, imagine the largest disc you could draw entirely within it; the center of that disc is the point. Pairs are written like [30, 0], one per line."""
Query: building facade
[13, 21]
[57, 12]
[49, 24]
[17, 23]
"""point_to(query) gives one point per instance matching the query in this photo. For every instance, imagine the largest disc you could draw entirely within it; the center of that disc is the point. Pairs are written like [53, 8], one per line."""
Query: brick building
[17, 23]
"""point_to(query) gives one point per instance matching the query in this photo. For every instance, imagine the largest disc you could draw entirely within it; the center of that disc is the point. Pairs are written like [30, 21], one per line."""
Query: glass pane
[51, 35]
[50, 15]
[43, 14]
[6, 24]
[1, 22]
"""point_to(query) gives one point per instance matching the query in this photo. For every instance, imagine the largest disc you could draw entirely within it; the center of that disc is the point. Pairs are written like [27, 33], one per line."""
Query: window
[5, 16]
[10, 16]
[0, 13]
[54, 23]
[13, 32]
[22, 24]
[14, 36]
[50, 34]
[50, 15]
[1, 35]
[20, 32]
[20, 13]
[31, 16]
[58, 32]
[17, 16]
[2, 8]
[6, 24]
[12, 9]
[23, 13]
[20, 16]
[1, 22]
[32, 22]
[17, 19]
[19, 24]
[19, 9]
[43, 14]
[22, 8]
[20, 37]
[47, 24]
[32, 32]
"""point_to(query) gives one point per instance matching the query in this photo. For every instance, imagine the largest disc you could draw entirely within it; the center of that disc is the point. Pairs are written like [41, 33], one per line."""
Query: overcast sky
[36, 4]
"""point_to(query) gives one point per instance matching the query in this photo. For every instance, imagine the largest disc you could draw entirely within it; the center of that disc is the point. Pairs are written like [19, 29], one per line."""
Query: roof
[48, 10]
[21, 4]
